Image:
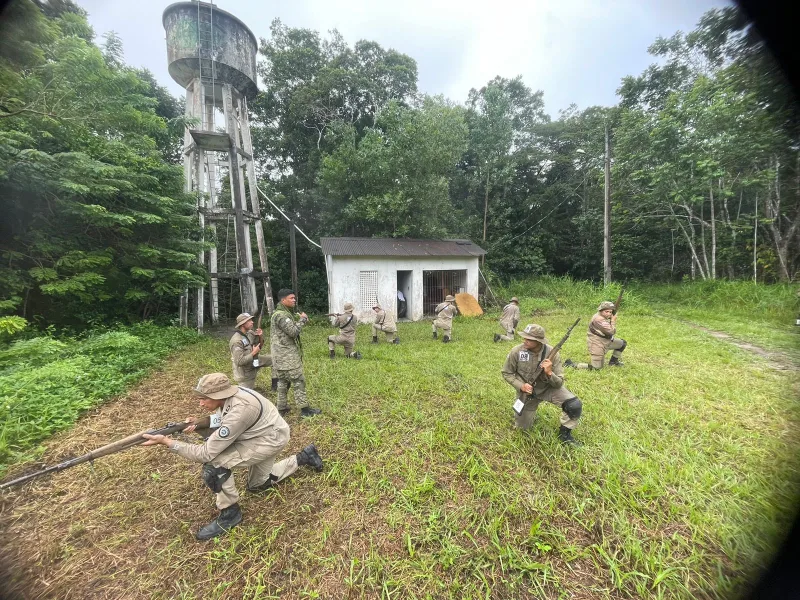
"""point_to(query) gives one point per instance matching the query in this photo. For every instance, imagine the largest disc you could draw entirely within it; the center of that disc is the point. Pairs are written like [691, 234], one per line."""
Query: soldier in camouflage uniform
[601, 338]
[384, 321]
[287, 354]
[509, 320]
[518, 371]
[248, 432]
[347, 333]
[245, 346]
[444, 318]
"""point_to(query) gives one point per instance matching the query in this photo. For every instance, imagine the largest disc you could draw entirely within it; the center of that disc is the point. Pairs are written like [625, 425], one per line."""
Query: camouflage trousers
[297, 380]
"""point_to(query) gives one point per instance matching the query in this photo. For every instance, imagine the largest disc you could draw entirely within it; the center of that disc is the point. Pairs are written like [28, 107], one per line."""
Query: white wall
[343, 280]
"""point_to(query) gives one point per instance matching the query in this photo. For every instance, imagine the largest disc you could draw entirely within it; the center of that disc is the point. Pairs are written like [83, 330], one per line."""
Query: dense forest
[705, 166]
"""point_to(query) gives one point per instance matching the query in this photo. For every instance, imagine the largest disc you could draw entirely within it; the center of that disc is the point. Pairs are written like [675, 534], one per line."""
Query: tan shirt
[385, 321]
[248, 421]
[601, 332]
[241, 347]
[444, 314]
[510, 317]
[347, 325]
[521, 365]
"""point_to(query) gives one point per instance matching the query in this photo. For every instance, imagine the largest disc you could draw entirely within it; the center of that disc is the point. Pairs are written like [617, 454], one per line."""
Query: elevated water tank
[204, 40]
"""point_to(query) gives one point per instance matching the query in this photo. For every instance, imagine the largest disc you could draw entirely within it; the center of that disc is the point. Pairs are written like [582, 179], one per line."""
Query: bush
[46, 384]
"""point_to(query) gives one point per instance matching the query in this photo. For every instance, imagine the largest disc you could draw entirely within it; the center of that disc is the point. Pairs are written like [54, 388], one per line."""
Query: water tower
[212, 54]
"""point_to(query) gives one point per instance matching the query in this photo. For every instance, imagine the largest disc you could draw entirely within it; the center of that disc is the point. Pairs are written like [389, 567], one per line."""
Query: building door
[436, 285]
[404, 295]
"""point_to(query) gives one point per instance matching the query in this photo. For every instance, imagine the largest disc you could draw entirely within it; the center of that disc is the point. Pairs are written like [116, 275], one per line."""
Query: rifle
[112, 448]
[554, 351]
[258, 323]
[333, 314]
[619, 300]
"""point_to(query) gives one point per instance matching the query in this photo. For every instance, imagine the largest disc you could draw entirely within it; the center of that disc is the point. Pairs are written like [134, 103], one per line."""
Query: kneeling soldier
[521, 365]
[347, 333]
[251, 433]
[384, 322]
[509, 320]
[601, 338]
[444, 318]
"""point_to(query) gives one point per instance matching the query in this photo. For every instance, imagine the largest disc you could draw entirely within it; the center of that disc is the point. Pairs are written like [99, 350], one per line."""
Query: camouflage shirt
[284, 339]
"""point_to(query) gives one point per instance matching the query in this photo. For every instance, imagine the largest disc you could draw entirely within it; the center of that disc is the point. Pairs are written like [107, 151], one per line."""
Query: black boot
[264, 487]
[615, 362]
[309, 457]
[309, 411]
[374, 339]
[445, 339]
[496, 337]
[396, 340]
[228, 519]
[356, 355]
[274, 384]
[435, 335]
[570, 364]
[332, 353]
[565, 435]
[284, 411]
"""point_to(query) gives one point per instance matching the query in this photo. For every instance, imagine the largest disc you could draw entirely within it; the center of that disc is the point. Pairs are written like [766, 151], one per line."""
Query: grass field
[687, 480]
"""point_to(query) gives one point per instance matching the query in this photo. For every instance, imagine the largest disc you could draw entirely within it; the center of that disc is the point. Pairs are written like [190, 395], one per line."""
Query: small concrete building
[423, 272]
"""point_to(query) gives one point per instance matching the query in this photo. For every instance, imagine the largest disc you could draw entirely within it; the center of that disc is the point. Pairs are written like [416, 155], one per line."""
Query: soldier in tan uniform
[346, 323]
[509, 320]
[245, 347]
[444, 318]
[384, 321]
[250, 433]
[601, 338]
[518, 371]
[287, 354]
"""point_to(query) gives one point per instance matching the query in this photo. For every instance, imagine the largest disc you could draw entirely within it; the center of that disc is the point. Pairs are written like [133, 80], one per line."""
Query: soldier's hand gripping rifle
[114, 447]
[554, 350]
[618, 301]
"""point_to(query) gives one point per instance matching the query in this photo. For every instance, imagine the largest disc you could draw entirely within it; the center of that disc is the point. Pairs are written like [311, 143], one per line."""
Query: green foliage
[84, 144]
[47, 383]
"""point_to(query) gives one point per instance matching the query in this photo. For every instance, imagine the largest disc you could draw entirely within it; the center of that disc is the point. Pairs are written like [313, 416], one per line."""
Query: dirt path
[780, 361]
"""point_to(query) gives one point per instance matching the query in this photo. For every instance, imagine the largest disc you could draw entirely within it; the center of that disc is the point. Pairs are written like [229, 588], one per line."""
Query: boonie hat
[242, 319]
[606, 306]
[348, 307]
[216, 386]
[449, 298]
[533, 332]
[514, 299]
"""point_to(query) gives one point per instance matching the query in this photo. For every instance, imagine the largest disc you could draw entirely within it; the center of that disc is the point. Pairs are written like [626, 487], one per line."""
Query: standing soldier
[600, 339]
[252, 434]
[347, 333]
[287, 354]
[384, 322]
[245, 350]
[519, 369]
[444, 318]
[509, 320]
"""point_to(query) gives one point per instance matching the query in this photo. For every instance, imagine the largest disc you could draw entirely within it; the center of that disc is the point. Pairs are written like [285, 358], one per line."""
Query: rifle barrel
[123, 444]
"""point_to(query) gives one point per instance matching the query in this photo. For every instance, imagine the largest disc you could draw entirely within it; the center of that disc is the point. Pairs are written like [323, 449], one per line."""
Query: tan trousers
[262, 464]
[509, 336]
[555, 396]
[445, 331]
[390, 335]
[598, 360]
[342, 340]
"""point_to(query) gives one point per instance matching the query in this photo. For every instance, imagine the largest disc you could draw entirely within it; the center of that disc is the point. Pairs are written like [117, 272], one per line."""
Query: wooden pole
[607, 217]
[293, 256]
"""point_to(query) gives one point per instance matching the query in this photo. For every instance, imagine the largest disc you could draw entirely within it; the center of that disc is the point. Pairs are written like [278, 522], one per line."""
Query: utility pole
[293, 258]
[607, 218]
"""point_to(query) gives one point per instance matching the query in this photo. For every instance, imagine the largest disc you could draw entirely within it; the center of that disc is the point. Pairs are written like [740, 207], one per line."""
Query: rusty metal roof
[351, 246]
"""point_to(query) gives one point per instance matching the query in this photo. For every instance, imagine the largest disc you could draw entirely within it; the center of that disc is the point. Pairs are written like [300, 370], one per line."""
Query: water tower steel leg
[200, 295]
[247, 144]
[246, 282]
[211, 176]
[183, 314]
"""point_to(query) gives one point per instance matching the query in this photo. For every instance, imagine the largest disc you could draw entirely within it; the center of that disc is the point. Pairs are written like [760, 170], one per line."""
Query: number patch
[524, 356]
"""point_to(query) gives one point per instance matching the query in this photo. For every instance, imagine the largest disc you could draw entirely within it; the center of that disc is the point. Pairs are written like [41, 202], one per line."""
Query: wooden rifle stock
[619, 300]
[112, 448]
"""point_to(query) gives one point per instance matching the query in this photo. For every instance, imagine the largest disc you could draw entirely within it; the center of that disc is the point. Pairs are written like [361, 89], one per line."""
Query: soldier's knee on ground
[214, 477]
[573, 407]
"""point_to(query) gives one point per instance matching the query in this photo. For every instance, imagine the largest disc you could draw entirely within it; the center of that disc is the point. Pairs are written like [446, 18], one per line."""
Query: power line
[287, 218]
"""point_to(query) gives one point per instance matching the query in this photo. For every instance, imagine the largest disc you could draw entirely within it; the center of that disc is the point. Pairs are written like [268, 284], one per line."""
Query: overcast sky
[574, 51]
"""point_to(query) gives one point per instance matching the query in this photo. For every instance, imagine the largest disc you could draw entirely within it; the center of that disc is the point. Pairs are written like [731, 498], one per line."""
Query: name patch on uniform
[524, 356]
[224, 432]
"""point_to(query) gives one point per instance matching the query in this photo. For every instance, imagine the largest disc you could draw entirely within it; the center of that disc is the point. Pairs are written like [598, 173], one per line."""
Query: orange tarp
[467, 305]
